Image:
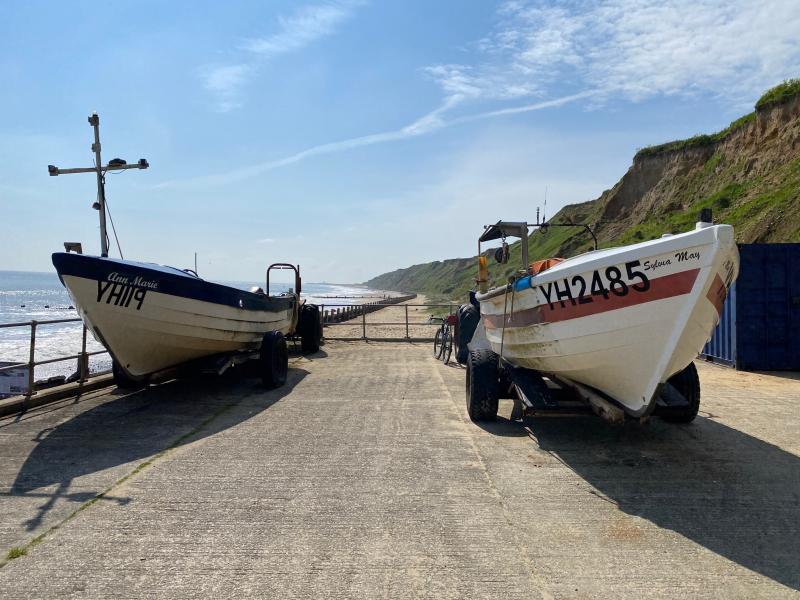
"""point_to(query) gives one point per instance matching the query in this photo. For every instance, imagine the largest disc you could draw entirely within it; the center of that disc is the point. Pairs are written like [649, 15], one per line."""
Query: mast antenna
[544, 210]
[115, 164]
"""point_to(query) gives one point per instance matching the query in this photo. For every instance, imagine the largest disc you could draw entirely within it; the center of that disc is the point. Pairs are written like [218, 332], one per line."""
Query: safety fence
[336, 313]
[82, 357]
[399, 321]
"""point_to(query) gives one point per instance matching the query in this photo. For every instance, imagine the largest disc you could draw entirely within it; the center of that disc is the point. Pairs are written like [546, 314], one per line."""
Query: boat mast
[115, 165]
[94, 121]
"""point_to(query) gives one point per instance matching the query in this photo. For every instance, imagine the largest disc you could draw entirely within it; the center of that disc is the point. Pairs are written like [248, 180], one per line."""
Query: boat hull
[151, 318]
[621, 321]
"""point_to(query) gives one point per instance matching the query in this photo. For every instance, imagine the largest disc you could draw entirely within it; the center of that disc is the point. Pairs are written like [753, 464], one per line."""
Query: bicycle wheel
[447, 345]
[437, 344]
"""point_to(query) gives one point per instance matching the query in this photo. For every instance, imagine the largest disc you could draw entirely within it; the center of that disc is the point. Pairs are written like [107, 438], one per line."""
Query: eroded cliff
[748, 174]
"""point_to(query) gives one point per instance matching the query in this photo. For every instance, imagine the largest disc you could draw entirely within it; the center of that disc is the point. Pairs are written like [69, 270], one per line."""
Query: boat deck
[363, 478]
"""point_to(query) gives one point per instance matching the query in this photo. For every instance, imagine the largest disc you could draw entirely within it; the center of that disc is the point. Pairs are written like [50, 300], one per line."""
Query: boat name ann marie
[137, 281]
[122, 290]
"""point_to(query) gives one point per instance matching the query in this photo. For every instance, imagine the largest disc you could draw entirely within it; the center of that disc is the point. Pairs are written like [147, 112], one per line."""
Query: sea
[27, 296]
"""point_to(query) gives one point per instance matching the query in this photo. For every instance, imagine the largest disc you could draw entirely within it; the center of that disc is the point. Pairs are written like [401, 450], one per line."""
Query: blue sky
[353, 137]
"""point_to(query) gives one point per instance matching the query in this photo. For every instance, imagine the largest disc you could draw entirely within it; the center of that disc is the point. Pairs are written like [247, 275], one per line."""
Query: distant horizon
[355, 137]
[290, 281]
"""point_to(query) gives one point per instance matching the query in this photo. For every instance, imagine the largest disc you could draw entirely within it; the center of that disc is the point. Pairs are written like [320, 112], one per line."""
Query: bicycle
[443, 340]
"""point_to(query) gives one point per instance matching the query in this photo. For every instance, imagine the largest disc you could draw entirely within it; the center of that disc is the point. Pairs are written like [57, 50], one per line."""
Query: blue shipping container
[759, 329]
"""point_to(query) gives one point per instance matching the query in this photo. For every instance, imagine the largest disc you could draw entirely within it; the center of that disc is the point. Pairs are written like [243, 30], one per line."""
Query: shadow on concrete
[794, 375]
[502, 427]
[730, 492]
[133, 428]
[454, 365]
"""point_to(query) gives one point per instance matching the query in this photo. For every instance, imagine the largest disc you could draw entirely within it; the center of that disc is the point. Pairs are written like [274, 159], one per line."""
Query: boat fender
[479, 340]
[524, 283]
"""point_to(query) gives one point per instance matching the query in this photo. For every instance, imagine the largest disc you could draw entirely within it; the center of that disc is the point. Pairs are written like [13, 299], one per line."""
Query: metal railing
[333, 315]
[346, 315]
[82, 357]
[345, 312]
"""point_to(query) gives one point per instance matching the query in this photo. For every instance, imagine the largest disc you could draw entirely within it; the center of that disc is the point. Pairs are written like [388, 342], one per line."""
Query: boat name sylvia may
[683, 256]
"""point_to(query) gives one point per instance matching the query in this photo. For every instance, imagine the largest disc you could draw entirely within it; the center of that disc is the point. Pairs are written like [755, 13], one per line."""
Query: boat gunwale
[589, 259]
[170, 284]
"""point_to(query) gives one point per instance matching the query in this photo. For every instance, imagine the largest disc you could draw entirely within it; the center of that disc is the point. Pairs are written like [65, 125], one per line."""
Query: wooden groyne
[345, 313]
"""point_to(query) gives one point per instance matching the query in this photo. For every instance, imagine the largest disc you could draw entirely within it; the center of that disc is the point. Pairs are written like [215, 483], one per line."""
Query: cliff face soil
[749, 175]
[750, 178]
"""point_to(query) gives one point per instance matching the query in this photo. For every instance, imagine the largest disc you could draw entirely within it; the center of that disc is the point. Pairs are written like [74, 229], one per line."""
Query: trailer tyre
[483, 386]
[688, 384]
[125, 381]
[274, 359]
[309, 329]
[468, 317]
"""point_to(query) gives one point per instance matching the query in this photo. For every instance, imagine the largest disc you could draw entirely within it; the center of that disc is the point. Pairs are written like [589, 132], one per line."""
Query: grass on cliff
[779, 94]
[679, 221]
[744, 205]
[697, 141]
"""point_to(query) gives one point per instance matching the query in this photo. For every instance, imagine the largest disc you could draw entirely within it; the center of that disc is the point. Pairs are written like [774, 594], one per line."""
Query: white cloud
[428, 123]
[635, 49]
[296, 31]
[266, 241]
[596, 50]
[305, 26]
[226, 82]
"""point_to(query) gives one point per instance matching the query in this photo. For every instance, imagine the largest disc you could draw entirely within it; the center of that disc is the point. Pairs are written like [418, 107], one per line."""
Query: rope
[110, 218]
[114, 229]
[505, 309]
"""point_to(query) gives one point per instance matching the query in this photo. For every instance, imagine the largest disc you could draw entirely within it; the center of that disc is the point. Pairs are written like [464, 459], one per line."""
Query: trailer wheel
[274, 359]
[309, 330]
[468, 317]
[688, 384]
[125, 381]
[483, 386]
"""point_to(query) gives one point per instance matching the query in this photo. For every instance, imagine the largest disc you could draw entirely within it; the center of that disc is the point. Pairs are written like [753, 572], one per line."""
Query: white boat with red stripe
[616, 323]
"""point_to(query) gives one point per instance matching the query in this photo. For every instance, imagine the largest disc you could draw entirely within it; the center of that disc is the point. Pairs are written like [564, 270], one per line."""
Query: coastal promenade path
[363, 478]
[417, 311]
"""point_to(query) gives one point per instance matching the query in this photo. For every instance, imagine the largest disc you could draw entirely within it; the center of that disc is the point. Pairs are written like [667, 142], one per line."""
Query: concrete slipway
[363, 478]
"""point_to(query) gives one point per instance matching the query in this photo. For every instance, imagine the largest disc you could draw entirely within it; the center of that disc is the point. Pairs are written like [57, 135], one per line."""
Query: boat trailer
[535, 394]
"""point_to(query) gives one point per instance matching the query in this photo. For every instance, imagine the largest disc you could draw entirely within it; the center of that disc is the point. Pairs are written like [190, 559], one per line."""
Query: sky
[352, 137]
